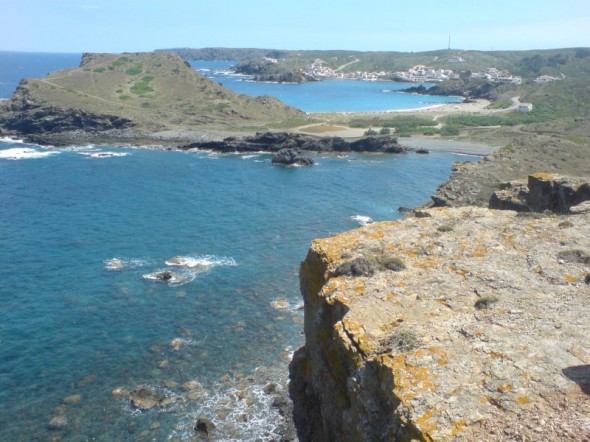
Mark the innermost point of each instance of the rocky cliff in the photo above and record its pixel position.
(455, 324)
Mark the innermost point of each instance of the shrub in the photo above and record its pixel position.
(99, 70)
(486, 301)
(565, 224)
(389, 262)
(135, 70)
(356, 267)
(444, 228)
(370, 132)
(449, 130)
(587, 278)
(384, 131)
(575, 256)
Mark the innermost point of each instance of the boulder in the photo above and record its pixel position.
(204, 426)
(291, 157)
(543, 192)
(511, 196)
(556, 193)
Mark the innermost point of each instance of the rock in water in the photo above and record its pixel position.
(145, 399)
(291, 157)
(204, 426)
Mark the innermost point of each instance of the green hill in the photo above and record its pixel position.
(148, 94)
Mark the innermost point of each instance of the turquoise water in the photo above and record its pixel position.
(328, 95)
(82, 230)
(74, 323)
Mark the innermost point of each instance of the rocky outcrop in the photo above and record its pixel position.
(544, 191)
(481, 335)
(276, 141)
(290, 157)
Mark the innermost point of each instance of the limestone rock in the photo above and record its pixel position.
(543, 192)
(407, 355)
(556, 193)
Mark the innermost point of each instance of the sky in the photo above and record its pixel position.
(379, 25)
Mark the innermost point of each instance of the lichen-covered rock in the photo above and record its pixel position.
(556, 193)
(408, 355)
(544, 191)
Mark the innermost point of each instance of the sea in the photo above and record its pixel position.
(84, 319)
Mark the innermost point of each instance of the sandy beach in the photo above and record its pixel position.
(431, 143)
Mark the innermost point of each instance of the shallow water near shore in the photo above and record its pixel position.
(81, 228)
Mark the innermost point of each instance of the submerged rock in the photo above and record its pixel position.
(58, 422)
(145, 398)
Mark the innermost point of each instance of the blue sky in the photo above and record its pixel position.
(381, 25)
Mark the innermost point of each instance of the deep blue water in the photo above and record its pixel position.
(16, 65)
(73, 323)
(325, 96)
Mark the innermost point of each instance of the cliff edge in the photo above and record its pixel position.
(459, 324)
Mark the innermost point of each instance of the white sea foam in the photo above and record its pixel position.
(362, 219)
(24, 153)
(11, 140)
(115, 264)
(173, 279)
(283, 304)
(104, 154)
(201, 261)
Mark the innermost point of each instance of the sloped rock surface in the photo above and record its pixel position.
(409, 355)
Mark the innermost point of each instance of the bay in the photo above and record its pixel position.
(82, 322)
(327, 95)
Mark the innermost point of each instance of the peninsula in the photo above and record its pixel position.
(138, 98)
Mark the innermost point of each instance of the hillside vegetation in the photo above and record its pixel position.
(572, 62)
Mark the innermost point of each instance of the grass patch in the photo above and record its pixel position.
(565, 224)
(444, 228)
(135, 70)
(508, 149)
(400, 340)
(120, 61)
(292, 122)
(176, 71)
(388, 262)
(486, 302)
(401, 123)
(502, 103)
(124, 97)
(143, 86)
(99, 70)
